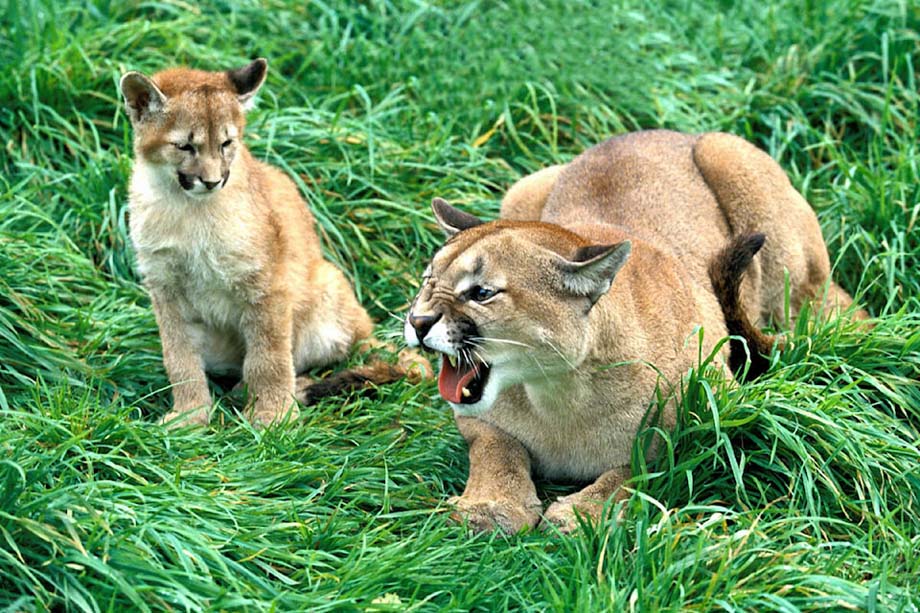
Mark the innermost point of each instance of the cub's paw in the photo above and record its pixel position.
(416, 366)
(486, 515)
(198, 416)
(264, 415)
(562, 513)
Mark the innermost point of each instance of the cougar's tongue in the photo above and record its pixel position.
(452, 380)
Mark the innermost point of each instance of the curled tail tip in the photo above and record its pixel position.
(741, 251)
(751, 244)
(727, 268)
(755, 240)
(726, 271)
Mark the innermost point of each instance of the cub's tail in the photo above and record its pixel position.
(411, 366)
(726, 271)
(310, 391)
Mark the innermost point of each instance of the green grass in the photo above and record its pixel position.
(798, 491)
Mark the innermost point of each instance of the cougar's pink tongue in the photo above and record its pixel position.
(452, 380)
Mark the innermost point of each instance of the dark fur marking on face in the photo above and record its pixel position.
(186, 181)
(462, 329)
(478, 266)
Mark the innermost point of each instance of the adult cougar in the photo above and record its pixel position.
(558, 322)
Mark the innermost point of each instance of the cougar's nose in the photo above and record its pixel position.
(423, 324)
(211, 184)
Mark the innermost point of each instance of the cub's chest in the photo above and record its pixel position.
(211, 259)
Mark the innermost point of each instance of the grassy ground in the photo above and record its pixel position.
(798, 491)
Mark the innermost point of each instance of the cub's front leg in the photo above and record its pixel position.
(268, 367)
(499, 493)
(588, 502)
(184, 365)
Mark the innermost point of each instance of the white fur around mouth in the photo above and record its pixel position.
(473, 409)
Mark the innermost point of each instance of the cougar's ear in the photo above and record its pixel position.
(247, 81)
(591, 270)
(452, 220)
(143, 99)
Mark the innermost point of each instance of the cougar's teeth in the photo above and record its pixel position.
(465, 392)
(453, 360)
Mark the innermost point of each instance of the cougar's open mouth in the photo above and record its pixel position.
(462, 381)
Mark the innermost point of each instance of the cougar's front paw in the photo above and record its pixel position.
(416, 366)
(485, 515)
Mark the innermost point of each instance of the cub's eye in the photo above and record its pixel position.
(478, 293)
(185, 147)
(226, 143)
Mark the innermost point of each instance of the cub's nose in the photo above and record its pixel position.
(422, 324)
(210, 184)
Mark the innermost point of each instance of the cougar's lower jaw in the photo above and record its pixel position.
(463, 380)
(486, 400)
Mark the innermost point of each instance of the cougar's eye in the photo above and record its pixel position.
(226, 144)
(185, 147)
(478, 293)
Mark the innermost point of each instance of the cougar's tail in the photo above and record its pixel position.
(726, 271)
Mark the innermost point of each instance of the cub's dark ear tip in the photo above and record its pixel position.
(258, 66)
(247, 79)
(130, 78)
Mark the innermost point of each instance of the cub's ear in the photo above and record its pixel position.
(142, 97)
(247, 81)
(452, 220)
(591, 270)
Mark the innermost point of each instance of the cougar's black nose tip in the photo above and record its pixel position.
(423, 324)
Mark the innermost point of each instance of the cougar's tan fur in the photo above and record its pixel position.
(578, 340)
